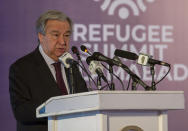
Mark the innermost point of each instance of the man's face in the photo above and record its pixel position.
(56, 40)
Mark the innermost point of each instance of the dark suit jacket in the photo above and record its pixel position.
(31, 84)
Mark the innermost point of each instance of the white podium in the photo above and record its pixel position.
(111, 110)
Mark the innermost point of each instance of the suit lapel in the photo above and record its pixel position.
(45, 73)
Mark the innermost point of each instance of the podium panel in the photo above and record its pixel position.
(111, 110)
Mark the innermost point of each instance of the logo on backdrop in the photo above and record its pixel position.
(124, 7)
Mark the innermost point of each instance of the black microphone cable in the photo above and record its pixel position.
(169, 68)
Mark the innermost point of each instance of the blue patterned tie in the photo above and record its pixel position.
(59, 78)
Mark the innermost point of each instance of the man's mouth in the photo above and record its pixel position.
(61, 50)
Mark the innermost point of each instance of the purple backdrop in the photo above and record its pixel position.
(155, 27)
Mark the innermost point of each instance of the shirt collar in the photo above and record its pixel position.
(48, 60)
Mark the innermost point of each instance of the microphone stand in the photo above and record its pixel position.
(71, 80)
(152, 71)
(135, 78)
(99, 85)
(112, 85)
(134, 83)
(84, 69)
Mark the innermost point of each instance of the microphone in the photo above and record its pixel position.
(142, 59)
(84, 49)
(95, 67)
(100, 57)
(126, 54)
(75, 51)
(67, 60)
(100, 74)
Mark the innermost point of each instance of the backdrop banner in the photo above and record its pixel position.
(155, 27)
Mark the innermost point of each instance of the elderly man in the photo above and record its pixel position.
(38, 76)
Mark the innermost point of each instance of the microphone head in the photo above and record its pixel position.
(70, 61)
(75, 50)
(84, 49)
(95, 56)
(65, 59)
(95, 66)
(126, 54)
(89, 59)
(100, 57)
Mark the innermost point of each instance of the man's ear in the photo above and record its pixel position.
(41, 37)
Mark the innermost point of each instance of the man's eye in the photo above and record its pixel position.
(55, 35)
(67, 35)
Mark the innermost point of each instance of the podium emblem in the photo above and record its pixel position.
(132, 128)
